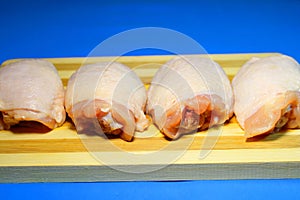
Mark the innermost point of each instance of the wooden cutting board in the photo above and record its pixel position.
(62, 155)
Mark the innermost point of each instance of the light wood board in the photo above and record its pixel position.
(61, 155)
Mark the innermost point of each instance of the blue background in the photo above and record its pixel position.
(74, 28)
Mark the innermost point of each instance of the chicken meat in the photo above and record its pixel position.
(267, 95)
(31, 92)
(107, 97)
(189, 93)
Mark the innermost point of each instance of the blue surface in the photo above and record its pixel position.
(74, 28)
(254, 189)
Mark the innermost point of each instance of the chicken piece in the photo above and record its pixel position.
(189, 93)
(31, 92)
(108, 94)
(267, 95)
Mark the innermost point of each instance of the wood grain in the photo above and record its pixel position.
(63, 155)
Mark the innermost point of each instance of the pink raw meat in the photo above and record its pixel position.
(189, 93)
(31, 91)
(267, 95)
(107, 95)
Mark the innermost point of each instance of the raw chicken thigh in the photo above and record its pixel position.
(189, 93)
(267, 95)
(109, 95)
(31, 91)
